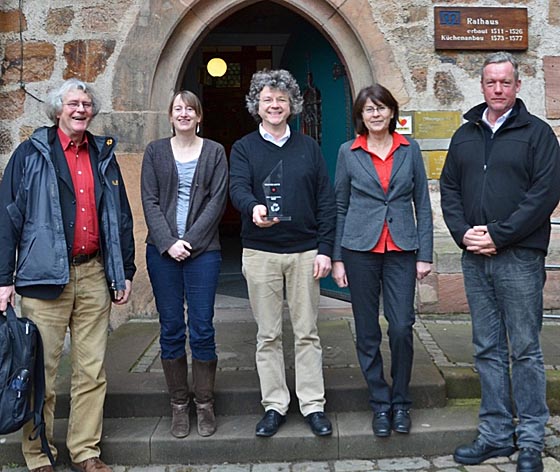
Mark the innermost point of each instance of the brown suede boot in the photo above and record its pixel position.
(176, 372)
(204, 374)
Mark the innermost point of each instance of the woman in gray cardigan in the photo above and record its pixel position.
(184, 193)
(383, 242)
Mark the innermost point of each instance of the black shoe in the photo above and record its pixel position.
(320, 424)
(529, 460)
(381, 424)
(401, 421)
(479, 451)
(271, 421)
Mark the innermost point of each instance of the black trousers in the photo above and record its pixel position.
(394, 273)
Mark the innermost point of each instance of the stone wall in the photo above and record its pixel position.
(123, 47)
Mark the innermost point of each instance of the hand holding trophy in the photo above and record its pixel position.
(272, 187)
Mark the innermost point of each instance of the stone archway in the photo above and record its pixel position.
(165, 32)
(149, 67)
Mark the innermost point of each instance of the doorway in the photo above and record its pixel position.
(265, 35)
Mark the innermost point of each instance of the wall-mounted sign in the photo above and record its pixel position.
(486, 28)
(404, 124)
(434, 161)
(436, 124)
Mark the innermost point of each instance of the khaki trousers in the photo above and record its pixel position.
(265, 273)
(84, 307)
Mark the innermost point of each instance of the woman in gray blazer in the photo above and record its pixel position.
(384, 240)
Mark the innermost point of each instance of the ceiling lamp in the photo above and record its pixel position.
(216, 67)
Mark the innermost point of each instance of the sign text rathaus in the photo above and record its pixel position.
(481, 28)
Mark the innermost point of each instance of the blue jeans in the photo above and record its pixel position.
(505, 297)
(395, 273)
(195, 280)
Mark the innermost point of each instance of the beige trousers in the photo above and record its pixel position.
(84, 307)
(265, 273)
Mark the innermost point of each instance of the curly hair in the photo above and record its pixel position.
(53, 103)
(275, 79)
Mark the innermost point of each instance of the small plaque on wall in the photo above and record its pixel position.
(483, 28)
(404, 124)
(436, 124)
(434, 161)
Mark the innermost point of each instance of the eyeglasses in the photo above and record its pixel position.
(371, 110)
(270, 100)
(76, 105)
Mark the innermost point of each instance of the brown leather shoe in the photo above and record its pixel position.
(43, 468)
(93, 464)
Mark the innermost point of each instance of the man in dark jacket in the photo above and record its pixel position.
(499, 186)
(275, 249)
(67, 247)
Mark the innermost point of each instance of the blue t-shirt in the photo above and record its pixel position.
(185, 171)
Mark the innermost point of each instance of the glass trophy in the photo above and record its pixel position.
(272, 187)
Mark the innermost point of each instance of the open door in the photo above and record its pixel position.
(267, 35)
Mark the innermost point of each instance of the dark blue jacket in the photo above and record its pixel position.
(37, 214)
(509, 180)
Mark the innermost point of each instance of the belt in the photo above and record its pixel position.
(83, 258)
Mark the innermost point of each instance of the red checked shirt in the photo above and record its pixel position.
(383, 168)
(86, 229)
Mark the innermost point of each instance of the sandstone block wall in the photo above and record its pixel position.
(120, 46)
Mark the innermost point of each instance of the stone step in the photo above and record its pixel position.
(146, 441)
(136, 384)
(238, 393)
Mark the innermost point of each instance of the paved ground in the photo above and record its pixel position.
(447, 347)
(420, 464)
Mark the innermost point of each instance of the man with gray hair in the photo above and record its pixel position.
(499, 186)
(67, 248)
(291, 239)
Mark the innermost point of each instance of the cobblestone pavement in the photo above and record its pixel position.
(551, 460)
(402, 464)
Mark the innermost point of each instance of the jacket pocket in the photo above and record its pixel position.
(37, 259)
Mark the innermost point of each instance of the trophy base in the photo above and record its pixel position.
(280, 218)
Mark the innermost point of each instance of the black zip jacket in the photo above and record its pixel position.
(509, 181)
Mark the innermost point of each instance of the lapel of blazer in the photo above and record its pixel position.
(398, 159)
(364, 159)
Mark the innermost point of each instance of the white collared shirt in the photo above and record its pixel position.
(268, 137)
(499, 122)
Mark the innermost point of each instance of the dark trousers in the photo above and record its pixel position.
(395, 273)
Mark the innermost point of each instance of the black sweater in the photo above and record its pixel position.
(307, 194)
(509, 181)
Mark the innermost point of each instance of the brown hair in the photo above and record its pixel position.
(379, 95)
(189, 98)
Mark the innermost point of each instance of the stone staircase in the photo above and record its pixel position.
(137, 422)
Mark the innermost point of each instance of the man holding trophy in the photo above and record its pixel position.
(280, 185)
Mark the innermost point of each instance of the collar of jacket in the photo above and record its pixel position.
(519, 115)
(102, 145)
